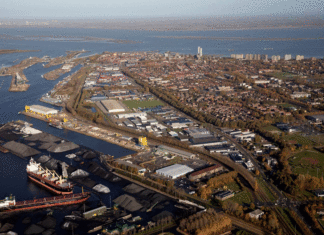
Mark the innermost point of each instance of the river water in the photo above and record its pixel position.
(13, 178)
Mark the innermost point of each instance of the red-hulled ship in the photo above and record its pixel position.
(9, 204)
(48, 179)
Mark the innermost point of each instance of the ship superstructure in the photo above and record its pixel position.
(48, 179)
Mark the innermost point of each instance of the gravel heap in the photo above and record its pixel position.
(128, 202)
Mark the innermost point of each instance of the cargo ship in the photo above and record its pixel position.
(48, 179)
(9, 204)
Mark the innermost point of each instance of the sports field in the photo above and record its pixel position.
(142, 104)
(308, 161)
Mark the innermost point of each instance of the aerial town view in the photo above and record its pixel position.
(169, 118)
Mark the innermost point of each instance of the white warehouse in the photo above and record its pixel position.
(42, 110)
(174, 171)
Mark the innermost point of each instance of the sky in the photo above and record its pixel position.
(108, 9)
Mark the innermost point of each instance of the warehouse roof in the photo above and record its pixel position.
(206, 170)
(175, 170)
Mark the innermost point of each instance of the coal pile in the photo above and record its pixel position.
(89, 155)
(96, 169)
(48, 222)
(77, 159)
(133, 188)
(46, 145)
(26, 220)
(81, 152)
(43, 137)
(71, 169)
(86, 181)
(162, 215)
(8, 135)
(34, 229)
(128, 202)
(20, 150)
(49, 232)
(52, 164)
(6, 227)
(62, 147)
(43, 159)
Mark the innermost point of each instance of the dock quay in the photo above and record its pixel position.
(85, 131)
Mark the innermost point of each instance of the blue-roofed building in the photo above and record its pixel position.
(98, 98)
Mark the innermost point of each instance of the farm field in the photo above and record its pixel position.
(142, 104)
(308, 161)
(298, 139)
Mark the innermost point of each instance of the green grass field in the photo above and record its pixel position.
(243, 197)
(285, 105)
(317, 138)
(298, 139)
(142, 104)
(283, 75)
(308, 161)
(271, 128)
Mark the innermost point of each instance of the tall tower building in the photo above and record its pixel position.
(200, 52)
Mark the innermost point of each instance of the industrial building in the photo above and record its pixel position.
(42, 110)
(174, 171)
(316, 118)
(166, 150)
(223, 195)
(205, 172)
(112, 106)
(257, 214)
(132, 115)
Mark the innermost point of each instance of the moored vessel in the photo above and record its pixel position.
(9, 204)
(48, 179)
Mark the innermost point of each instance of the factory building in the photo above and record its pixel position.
(223, 195)
(174, 171)
(42, 110)
(112, 106)
(132, 115)
(205, 172)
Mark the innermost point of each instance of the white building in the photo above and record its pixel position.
(42, 110)
(130, 115)
(112, 106)
(275, 58)
(299, 57)
(257, 214)
(30, 131)
(200, 52)
(248, 165)
(287, 57)
(174, 171)
(299, 95)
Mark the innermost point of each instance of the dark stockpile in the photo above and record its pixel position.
(62, 147)
(34, 229)
(81, 152)
(96, 169)
(8, 135)
(46, 145)
(68, 225)
(6, 227)
(86, 181)
(52, 164)
(48, 232)
(162, 215)
(89, 155)
(43, 159)
(48, 222)
(133, 188)
(43, 137)
(128, 202)
(77, 159)
(21, 150)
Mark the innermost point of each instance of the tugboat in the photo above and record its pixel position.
(48, 179)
